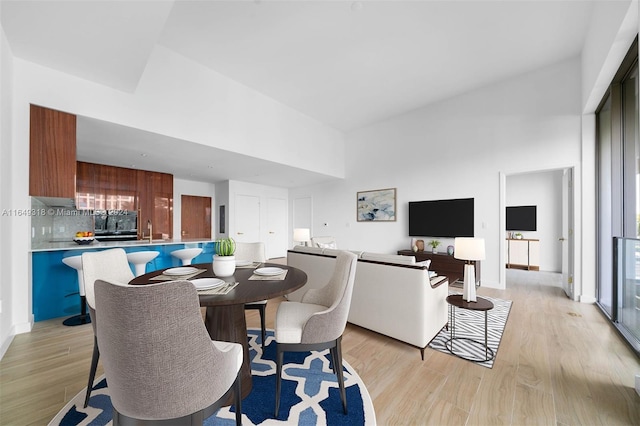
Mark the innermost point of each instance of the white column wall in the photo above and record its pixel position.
(8, 325)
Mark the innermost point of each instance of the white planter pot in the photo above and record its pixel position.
(224, 266)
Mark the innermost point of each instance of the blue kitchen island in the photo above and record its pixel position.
(55, 285)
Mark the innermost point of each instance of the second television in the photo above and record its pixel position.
(441, 218)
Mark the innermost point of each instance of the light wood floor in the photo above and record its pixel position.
(559, 362)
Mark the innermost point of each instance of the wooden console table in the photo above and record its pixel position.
(523, 254)
(444, 264)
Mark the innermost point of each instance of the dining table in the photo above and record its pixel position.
(225, 316)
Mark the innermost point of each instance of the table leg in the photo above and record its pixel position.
(228, 323)
(486, 347)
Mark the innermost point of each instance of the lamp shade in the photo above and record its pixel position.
(301, 234)
(468, 248)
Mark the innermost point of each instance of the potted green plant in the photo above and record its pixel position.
(518, 236)
(224, 261)
(434, 245)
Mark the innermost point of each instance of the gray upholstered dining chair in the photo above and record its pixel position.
(160, 364)
(254, 252)
(317, 322)
(110, 265)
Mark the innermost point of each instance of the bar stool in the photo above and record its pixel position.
(75, 262)
(139, 260)
(186, 255)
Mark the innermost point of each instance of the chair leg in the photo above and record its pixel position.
(92, 371)
(238, 400)
(262, 324)
(279, 360)
(339, 373)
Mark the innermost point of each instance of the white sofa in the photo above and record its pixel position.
(392, 295)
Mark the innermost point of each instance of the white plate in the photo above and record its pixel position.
(184, 270)
(269, 271)
(243, 262)
(207, 283)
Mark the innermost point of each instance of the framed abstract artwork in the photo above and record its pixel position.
(377, 206)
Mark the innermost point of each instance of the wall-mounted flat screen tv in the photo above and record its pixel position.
(521, 218)
(441, 218)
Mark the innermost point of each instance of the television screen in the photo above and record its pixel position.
(521, 218)
(441, 218)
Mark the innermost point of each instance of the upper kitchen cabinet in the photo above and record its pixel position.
(52, 153)
(102, 187)
(155, 203)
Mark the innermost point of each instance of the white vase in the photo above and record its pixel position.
(224, 266)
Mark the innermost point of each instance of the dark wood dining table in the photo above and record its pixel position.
(225, 318)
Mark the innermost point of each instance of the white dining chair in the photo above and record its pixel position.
(317, 322)
(109, 265)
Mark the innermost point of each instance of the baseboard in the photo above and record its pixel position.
(7, 342)
(587, 299)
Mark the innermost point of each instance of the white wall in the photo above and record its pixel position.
(6, 127)
(455, 149)
(188, 187)
(544, 190)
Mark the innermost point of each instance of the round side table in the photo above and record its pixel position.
(456, 301)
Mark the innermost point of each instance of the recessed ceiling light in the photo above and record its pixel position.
(143, 155)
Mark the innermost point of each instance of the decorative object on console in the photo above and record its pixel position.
(224, 262)
(302, 235)
(420, 245)
(434, 245)
(469, 249)
(378, 205)
(450, 250)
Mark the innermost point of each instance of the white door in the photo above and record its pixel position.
(566, 239)
(276, 241)
(247, 219)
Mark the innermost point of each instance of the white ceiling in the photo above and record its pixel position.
(344, 63)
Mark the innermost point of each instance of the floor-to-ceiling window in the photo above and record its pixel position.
(618, 180)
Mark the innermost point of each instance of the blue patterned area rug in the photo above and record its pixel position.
(310, 394)
(470, 325)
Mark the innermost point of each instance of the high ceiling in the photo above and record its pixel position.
(344, 63)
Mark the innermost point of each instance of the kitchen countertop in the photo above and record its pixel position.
(71, 245)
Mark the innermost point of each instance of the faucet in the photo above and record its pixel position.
(150, 229)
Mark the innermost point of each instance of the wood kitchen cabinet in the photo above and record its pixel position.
(52, 153)
(155, 203)
(102, 187)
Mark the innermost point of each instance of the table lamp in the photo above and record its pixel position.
(301, 235)
(469, 249)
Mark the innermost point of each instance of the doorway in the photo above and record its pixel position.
(552, 193)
